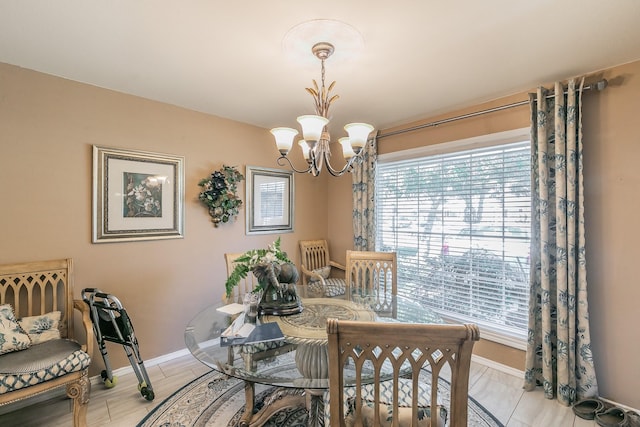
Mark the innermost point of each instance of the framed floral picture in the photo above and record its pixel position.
(137, 195)
(269, 200)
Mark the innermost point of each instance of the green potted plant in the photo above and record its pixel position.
(276, 275)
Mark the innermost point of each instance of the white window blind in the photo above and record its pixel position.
(460, 224)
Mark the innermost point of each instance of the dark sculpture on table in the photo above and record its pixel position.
(279, 294)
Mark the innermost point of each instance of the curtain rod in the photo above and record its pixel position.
(599, 86)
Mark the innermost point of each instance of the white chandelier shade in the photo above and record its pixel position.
(312, 126)
(358, 135)
(347, 149)
(306, 151)
(284, 139)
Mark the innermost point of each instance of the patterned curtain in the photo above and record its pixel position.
(363, 181)
(559, 354)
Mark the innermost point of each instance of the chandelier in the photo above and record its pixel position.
(316, 138)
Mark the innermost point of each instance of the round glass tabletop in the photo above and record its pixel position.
(300, 360)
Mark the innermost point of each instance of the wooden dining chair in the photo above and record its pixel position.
(396, 367)
(245, 286)
(320, 275)
(251, 353)
(373, 275)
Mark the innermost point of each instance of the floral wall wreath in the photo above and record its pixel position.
(219, 194)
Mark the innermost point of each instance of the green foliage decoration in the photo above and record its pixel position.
(219, 194)
(252, 259)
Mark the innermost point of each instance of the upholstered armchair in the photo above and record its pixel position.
(321, 277)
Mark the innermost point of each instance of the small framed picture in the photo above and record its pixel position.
(137, 195)
(269, 200)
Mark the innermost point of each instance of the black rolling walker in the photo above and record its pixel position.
(111, 323)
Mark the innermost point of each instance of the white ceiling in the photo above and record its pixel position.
(420, 57)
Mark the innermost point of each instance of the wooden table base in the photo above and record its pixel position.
(282, 398)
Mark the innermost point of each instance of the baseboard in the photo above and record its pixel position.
(97, 379)
(619, 405)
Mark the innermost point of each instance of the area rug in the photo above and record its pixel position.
(214, 400)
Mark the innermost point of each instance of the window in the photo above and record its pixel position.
(460, 224)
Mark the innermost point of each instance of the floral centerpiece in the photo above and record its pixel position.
(255, 259)
(219, 194)
(276, 275)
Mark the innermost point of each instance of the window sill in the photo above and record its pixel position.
(501, 338)
(490, 333)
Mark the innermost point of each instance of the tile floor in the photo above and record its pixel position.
(123, 406)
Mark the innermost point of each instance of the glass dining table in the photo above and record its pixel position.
(299, 372)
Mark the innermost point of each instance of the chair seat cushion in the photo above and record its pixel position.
(333, 287)
(386, 404)
(405, 415)
(322, 271)
(40, 363)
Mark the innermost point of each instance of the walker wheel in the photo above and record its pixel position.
(110, 383)
(147, 393)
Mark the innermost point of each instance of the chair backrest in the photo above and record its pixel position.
(406, 354)
(314, 254)
(245, 285)
(371, 273)
(37, 288)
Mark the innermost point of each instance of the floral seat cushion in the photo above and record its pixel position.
(40, 363)
(323, 272)
(386, 403)
(332, 287)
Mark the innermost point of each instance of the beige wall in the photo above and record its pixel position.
(612, 180)
(47, 128)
